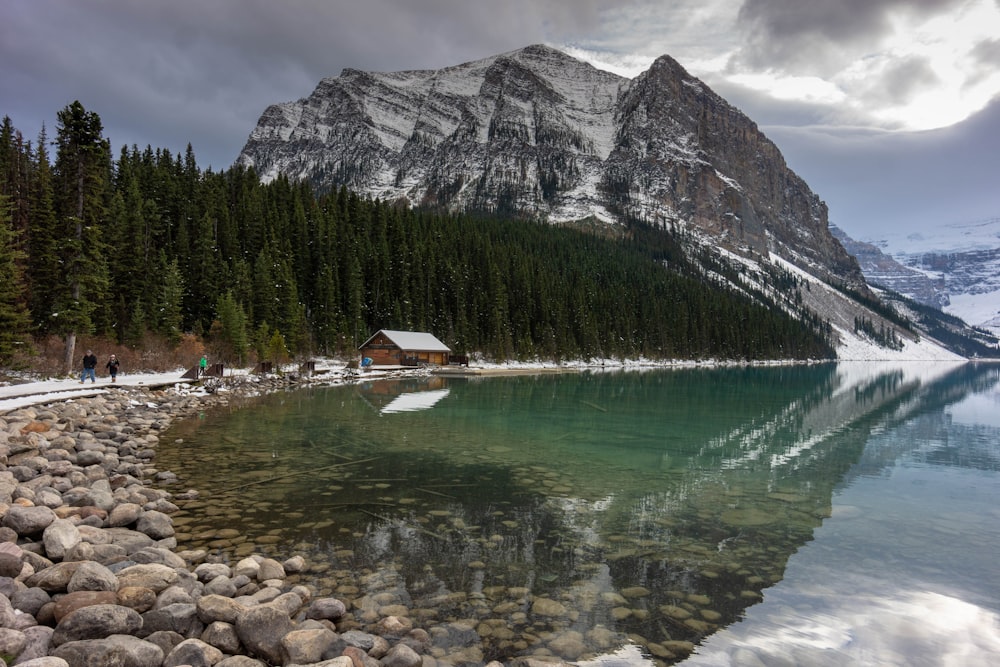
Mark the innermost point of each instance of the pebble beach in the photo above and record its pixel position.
(90, 569)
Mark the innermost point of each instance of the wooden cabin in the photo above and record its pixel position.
(404, 348)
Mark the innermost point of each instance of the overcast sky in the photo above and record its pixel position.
(889, 109)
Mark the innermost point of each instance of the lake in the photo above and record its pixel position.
(824, 514)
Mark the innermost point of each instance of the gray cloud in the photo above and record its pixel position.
(901, 82)
(986, 56)
(815, 35)
(170, 73)
(875, 180)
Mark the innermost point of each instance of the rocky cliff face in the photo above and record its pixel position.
(537, 133)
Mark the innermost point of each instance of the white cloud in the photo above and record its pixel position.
(810, 89)
(628, 65)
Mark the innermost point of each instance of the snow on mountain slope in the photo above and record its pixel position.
(955, 267)
(851, 346)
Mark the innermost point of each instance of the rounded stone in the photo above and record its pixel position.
(70, 602)
(97, 621)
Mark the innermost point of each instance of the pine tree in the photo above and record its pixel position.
(168, 304)
(44, 275)
(131, 273)
(82, 172)
(202, 271)
(230, 331)
(15, 175)
(13, 314)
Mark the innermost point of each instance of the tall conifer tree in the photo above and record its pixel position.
(44, 274)
(13, 315)
(82, 174)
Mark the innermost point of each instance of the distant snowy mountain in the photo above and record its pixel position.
(955, 267)
(536, 133)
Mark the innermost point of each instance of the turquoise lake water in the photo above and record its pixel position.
(825, 514)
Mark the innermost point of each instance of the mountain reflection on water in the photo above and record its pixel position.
(555, 515)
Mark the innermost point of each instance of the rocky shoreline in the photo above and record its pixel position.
(91, 573)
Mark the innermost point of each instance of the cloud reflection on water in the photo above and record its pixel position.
(875, 628)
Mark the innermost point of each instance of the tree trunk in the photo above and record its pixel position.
(71, 335)
(70, 350)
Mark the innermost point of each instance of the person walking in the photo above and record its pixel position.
(202, 365)
(89, 364)
(112, 366)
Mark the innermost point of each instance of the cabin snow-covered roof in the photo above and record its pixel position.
(412, 340)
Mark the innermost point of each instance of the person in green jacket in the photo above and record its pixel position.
(202, 365)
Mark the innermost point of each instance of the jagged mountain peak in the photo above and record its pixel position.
(535, 132)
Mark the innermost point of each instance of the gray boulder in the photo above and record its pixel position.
(194, 653)
(222, 636)
(117, 650)
(124, 514)
(30, 600)
(47, 661)
(173, 595)
(153, 576)
(58, 537)
(165, 639)
(64, 605)
(155, 524)
(10, 563)
(56, 578)
(223, 586)
(38, 642)
(401, 655)
(270, 569)
(308, 646)
(148, 555)
(12, 641)
(261, 629)
(92, 576)
(240, 661)
(213, 608)
(326, 608)
(208, 571)
(28, 520)
(96, 622)
(130, 540)
(180, 618)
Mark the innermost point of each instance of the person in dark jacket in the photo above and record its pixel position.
(112, 366)
(89, 364)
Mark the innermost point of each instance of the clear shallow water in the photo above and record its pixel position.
(806, 515)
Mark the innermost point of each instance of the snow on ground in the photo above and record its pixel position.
(15, 396)
(46, 390)
(854, 348)
(979, 308)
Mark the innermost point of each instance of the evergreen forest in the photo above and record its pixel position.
(122, 246)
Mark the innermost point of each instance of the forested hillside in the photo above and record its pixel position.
(148, 242)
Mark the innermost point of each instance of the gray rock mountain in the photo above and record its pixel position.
(537, 133)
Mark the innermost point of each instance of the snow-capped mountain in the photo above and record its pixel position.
(955, 267)
(537, 133)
